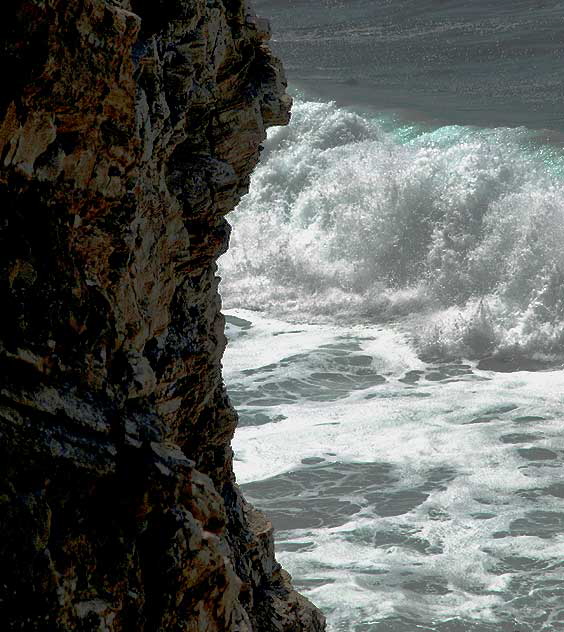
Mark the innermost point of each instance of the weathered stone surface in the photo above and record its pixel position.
(128, 129)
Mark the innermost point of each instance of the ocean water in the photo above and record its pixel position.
(394, 296)
(478, 62)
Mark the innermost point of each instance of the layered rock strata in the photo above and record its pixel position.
(128, 129)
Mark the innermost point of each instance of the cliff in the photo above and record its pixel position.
(128, 129)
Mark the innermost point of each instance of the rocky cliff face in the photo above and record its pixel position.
(128, 129)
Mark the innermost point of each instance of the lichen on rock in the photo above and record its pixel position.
(128, 130)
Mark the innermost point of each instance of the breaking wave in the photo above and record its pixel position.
(455, 231)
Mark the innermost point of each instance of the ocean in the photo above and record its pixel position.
(394, 296)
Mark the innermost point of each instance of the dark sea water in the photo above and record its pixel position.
(472, 62)
(394, 294)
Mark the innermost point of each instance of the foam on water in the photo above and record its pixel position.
(394, 266)
(406, 495)
(355, 217)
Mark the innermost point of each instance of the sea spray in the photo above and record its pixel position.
(351, 218)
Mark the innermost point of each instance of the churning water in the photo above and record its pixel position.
(395, 303)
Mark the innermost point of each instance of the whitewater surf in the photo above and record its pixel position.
(395, 311)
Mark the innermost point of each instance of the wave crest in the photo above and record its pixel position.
(349, 219)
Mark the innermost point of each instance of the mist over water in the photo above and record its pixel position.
(394, 295)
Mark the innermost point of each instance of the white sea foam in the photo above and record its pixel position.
(431, 496)
(349, 218)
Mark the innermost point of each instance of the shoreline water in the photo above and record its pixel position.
(405, 495)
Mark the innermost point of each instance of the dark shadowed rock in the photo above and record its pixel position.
(128, 129)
